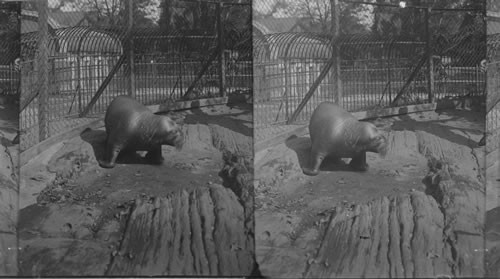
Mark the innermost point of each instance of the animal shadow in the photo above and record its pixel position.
(4, 141)
(97, 139)
(302, 148)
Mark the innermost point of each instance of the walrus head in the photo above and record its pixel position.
(377, 142)
(380, 145)
(174, 134)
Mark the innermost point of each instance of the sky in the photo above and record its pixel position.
(151, 10)
(265, 6)
(53, 3)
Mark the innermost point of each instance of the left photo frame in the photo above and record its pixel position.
(9, 136)
(136, 139)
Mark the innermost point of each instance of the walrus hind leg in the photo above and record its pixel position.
(315, 163)
(127, 154)
(109, 161)
(154, 156)
(358, 162)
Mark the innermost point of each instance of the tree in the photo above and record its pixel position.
(409, 24)
(353, 18)
(183, 16)
(9, 32)
(493, 6)
(237, 22)
(399, 23)
(269, 8)
(457, 34)
(108, 13)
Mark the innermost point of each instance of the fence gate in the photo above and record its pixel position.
(88, 66)
(408, 56)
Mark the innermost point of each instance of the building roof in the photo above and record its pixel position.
(33, 15)
(276, 25)
(56, 20)
(79, 39)
(493, 23)
(291, 45)
(272, 25)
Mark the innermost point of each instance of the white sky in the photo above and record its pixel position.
(53, 3)
(152, 10)
(262, 5)
(265, 6)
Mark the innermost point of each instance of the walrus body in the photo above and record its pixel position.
(132, 126)
(338, 134)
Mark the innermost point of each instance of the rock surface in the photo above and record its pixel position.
(189, 216)
(8, 190)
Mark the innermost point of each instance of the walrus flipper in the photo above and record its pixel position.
(358, 162)
(154, 155)
(112, 151)
(314, 162)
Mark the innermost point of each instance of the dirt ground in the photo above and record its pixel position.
(8, 188)
(68, 201)
(492, 232)
(294, 210)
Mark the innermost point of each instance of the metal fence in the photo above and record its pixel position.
(167, 66)
(374, 68)
(493, 89)
(9, 79)
(9, 48)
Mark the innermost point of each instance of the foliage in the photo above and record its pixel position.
(186, 16)
(493, 5)
(9, 32)
(404, 24)
(353, 18)
(457, 34)
(460, 35)
(108, 13)
(237, 22)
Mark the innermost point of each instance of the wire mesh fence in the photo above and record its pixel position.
(168, 56)
(459, 43)
(388, 56)
(9, 79)
(493, 87)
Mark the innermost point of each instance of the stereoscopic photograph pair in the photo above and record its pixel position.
(250, 138)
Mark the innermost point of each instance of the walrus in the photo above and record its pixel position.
(337, 134)
(132, 126)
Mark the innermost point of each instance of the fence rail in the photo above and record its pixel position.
(88, 64)
(281, 84)
(73, 82)
(9, 79)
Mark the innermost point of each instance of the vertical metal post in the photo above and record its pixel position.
(181, 74)
(78, 82)
(130, 48)
(11, 78)
(389, 73)
(43, 74)
(430, 62)
(477, 78)
(222, 62)
(336, 52)
(287, 87)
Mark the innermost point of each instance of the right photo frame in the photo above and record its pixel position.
(492, 222)
(370, 139)
(257, 138)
